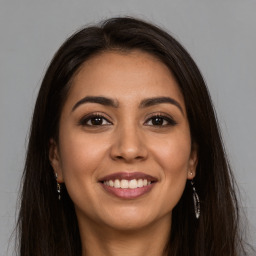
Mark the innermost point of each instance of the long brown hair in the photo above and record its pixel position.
(49, 227)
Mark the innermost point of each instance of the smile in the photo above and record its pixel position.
(131, 184)
(128, 185)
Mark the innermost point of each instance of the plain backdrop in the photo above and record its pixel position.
(220, 35)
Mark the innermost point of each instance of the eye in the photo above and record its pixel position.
(160, 120)
(94, 120)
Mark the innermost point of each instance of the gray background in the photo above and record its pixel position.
(220, 35)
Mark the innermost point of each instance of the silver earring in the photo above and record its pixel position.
(58, 187)
(196, 201)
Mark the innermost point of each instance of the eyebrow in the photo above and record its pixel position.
(113, 103)
(160, 100)
(96, 99)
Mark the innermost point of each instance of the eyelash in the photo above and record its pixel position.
(170, 121)
(84, 121)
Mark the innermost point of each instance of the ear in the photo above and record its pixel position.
(54, 158)
(192, 163)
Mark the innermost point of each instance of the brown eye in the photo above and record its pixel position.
(159, 120)
(95, 120)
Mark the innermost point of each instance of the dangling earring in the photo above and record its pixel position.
(196, 201)
(58, 187)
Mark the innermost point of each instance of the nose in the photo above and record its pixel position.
(129, 145)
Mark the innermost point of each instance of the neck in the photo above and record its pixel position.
(104, 241)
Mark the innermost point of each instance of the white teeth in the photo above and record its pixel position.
(131, 184)
(117, 184)
(111, 183)
(124, 184)
(140, 183)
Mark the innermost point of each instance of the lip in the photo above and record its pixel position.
(127, 193)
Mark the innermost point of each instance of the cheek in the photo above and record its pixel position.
(174, 163)
(174, 154)
(173, 157)
(80, 157)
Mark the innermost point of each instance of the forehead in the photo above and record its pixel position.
(125, 76)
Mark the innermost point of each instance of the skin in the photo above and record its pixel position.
(127, 141)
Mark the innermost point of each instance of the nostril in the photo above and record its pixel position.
(119, 157)
(128, 151)
(139, 157)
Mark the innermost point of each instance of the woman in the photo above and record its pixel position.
(125, 155)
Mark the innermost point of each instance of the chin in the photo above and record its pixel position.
(128, 224)
(130, 218)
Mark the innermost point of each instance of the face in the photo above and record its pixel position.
(124, 150)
